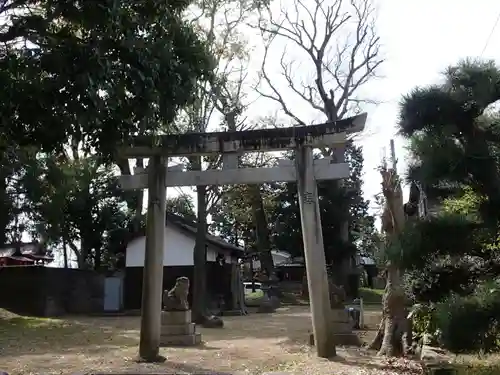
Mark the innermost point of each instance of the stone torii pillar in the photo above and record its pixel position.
(152, 284)
(314, 251)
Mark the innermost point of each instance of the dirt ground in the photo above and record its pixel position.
(246, 345)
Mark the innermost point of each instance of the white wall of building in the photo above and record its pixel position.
(177, 249)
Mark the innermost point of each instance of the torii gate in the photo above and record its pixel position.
(304, 170)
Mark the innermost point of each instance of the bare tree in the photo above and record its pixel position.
(329, 51)
(339, 41)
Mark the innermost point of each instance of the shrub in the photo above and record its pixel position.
(436, 281)
(479, 369)
(471, 323)
(424, 321)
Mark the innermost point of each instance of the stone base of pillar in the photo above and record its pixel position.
(342, 329)
(342, 325)
(237, 312)
(178, 330)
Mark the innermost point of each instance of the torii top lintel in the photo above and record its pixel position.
(322, 135)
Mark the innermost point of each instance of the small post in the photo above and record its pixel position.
(393, 155)
(317, 279)
(361, 313)
(152, 284)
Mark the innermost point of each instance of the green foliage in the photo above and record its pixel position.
(233, 217)
(76, 202)
(10, 167)
(78, 78)
(454, 156)
(95, 71)
(471, 323)
(424, 239)
(424, 321)
(454, 141)
(287, 233)
(440, 276)
(182, 205)
(479, 369)
(371, 295)
(467, 204)
(479, 365)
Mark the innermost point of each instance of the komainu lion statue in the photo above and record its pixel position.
(175, 299)
(337, 295)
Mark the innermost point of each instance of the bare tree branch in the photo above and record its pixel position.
(276, 96)
(342, 57)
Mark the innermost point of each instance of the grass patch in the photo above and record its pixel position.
(479, 370)
(255, 295)
(20, 334)
(13, 325)
(42, 332)
(479, 365)
(371, 295)
(254, 299)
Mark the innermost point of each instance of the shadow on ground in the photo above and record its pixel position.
(290, 326)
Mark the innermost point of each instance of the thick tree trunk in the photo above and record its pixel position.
(345, 264)
(5, 211)
(65, 251)
(304, 287)
(262, 231)
(259, 215)
(394, 333)
(97, 257)
(200, 255)
(80, 255)
(134, 198)
(139, 163)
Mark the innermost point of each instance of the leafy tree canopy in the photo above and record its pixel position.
(454, 134)
(452, 128)
(94, 72)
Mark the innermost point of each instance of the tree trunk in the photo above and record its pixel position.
(304, 287)
(261, 229)
(200, 255)
(81, 262)
(5, 211)
(139, 163)
(97, 257)
(65, 251)
(134, 198)
(394, 332)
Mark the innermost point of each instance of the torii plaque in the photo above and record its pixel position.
(304, 170)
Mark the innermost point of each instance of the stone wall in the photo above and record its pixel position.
(45, 291)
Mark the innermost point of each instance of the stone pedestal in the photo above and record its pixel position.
(342, 328)
(178, 330)
(237, 312)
